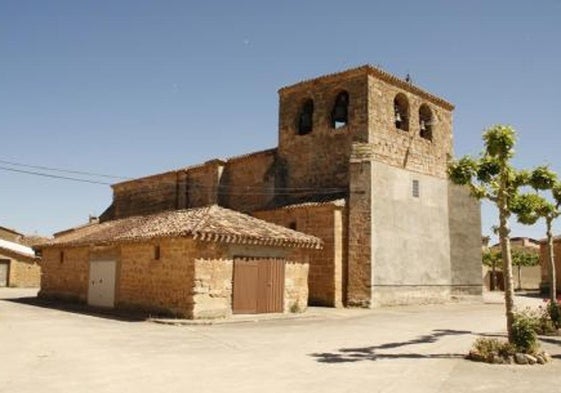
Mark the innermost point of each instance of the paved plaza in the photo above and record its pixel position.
(398, 349)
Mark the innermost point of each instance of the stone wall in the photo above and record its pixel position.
(248, 182)
(327, 269)
(544, 263)
(407, 149)
(9, 235)
(295, 287)
(360, 236)
(212, 288)
(203, 183)
(65, 273)
(22, 272)
(319, 160)
(190, 279)
(147, 195)
(161, 285)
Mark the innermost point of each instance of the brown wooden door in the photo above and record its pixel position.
(258, 285)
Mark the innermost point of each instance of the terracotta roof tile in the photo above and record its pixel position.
(211, 223)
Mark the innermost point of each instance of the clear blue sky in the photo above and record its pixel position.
(137, 87)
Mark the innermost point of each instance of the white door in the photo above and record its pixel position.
(101, 289)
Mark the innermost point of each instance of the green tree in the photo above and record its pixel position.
(493, 260)
(520, 258)
(531, 206)
(492, 177)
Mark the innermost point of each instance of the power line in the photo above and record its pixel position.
(64, 170)
(54, 176)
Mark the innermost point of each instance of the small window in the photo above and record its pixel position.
(157, 252)
(306, 118)
(401, 112)
(292, 225)
(61, 257)
(415, 188)
(340, 112)
(425, 122)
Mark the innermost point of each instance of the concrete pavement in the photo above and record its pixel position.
(398, 349)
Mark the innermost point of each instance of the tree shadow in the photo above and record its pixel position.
(349, 355)
(556, 340)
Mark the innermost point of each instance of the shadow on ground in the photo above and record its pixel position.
(77, 308)
(346, 355)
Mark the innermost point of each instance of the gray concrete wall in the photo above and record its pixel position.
(410, 242)
(465, 242)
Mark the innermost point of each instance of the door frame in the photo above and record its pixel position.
(90, 300)
(8, 263)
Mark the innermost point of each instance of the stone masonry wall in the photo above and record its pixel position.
(326, 265)
(24, 274)
(407, 149)
(248, 182)
(544, 263)
(65, 277)
(145, 196)
(212, 288)
(360, 248)
(161, 285)
(319, 160)
(203, 183)
(295, 287)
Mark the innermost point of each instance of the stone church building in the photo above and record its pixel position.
(360, 164)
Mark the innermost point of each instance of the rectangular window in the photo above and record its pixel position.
(157, 253)
(415, 188)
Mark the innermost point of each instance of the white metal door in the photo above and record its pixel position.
(101, 289)
(4, 268)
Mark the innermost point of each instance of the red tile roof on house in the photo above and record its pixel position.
(211, 223)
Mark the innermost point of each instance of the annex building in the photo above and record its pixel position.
(352, 208)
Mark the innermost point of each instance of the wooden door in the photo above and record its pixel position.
(4, 272)
(246, 276)
(101, 288)
(258, 285)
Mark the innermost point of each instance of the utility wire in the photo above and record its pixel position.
(64, 170)
(54, 176)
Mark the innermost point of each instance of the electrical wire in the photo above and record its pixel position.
(13, 163)
(54, 176)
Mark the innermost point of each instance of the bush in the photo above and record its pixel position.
(524, 335)
(486, 349)
(554, 311)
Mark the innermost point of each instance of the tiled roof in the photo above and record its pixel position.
(380, 74)
(340, 202)
(17, 248)
(211, 223)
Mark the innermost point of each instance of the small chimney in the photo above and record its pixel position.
(93, 219)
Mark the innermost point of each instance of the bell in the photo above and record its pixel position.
(340, 113)
(423, 125)
(397, 117)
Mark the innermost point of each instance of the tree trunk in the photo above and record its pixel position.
(504, 232)
(493, 277)
(551, 259)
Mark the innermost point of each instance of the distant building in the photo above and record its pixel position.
(360, 164)
(527, 277)
(18, 265)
